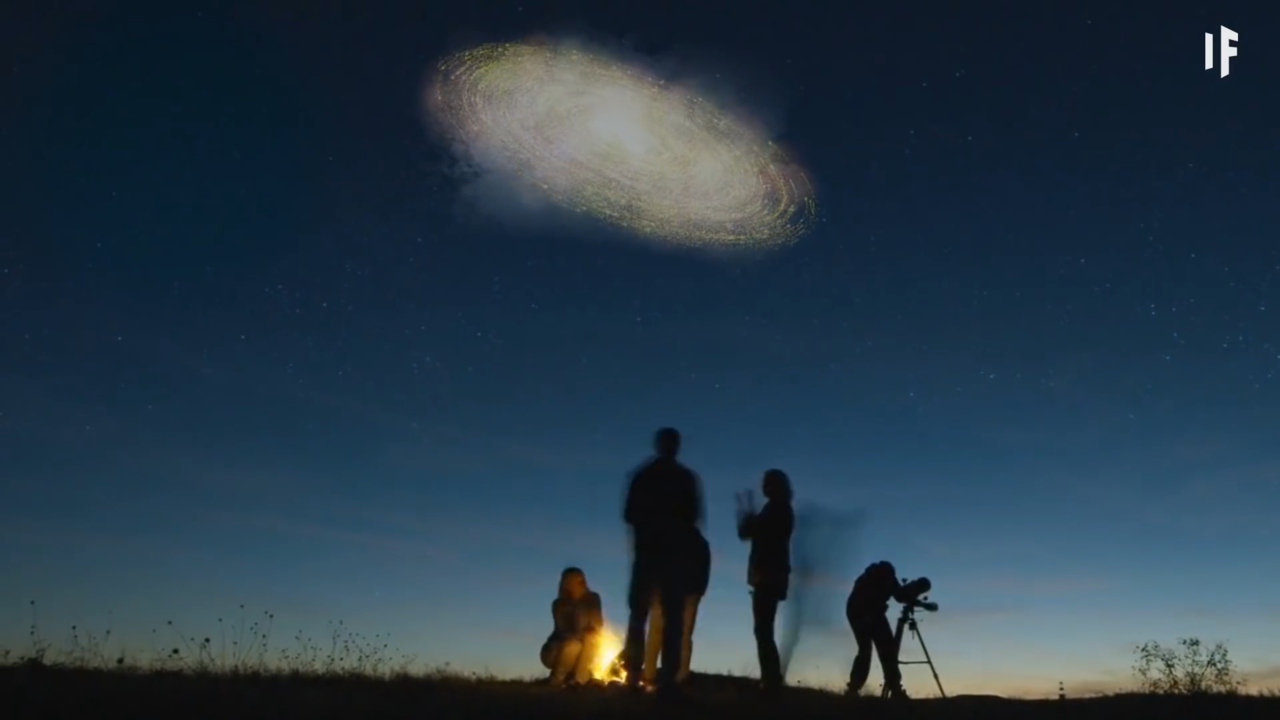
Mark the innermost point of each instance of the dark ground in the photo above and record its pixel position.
(48, 692)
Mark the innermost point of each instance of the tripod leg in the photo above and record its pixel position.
(897, 648)
(928, 659)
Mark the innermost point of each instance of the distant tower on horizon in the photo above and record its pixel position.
(1062, 691)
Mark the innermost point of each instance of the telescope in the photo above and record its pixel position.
(913, 595)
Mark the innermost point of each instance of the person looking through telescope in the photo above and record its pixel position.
(867, 611)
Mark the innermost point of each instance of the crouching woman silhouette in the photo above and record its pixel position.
(570, 652)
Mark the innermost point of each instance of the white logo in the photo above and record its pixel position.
(1226, 50)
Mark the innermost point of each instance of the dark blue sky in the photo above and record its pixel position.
(256, 350)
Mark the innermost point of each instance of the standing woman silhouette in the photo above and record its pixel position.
(769, 566)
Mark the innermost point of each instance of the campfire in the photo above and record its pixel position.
(608, 667)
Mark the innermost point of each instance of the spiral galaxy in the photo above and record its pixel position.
(608, 140)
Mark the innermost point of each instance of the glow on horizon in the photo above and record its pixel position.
(1014, 634)
(721, 648)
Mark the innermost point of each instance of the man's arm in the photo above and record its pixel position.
(699, 501)
(685, 496)
(630, 502)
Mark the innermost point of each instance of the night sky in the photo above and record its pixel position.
(257, 347)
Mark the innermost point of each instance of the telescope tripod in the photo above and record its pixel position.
(907, 620)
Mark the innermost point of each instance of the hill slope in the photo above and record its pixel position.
(47, 692)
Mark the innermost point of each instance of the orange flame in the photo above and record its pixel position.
(608, 649)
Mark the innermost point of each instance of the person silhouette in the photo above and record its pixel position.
(570, 651)
(663, 509)
(768, 566)
(867, 611)
(700, 567)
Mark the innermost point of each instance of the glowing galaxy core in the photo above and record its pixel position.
(605, 139)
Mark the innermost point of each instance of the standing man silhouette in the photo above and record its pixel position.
(663, 509)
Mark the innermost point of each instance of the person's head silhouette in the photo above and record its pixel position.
(573, 583)
(776, 486)
(666, 442)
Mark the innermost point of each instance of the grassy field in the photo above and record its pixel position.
(42, 691)
(238, 672)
